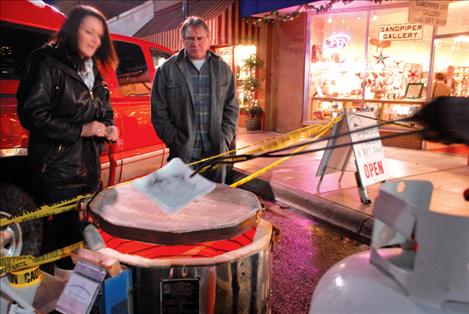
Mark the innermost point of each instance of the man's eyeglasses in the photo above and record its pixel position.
(195, 39)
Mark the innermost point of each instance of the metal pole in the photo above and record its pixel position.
(361, 188)
(185, 8)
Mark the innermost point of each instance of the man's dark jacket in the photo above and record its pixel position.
(53, 104)
(173, 112)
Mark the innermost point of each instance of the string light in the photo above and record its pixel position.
(285, 17)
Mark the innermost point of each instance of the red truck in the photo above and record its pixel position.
(25, 25)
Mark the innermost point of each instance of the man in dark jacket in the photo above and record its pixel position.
(194, 107)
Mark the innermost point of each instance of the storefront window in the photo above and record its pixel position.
(226, 53)
(451, 59)
(371, 60)
(337, 57)
(237, 54)
(398, 54)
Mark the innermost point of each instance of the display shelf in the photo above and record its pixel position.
(385, 109)
(461, 75)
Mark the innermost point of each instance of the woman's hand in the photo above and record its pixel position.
(94, 128)
(112, 133)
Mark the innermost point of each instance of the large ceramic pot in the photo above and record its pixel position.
(253, 124)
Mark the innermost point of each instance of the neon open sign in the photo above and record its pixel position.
(338, 41)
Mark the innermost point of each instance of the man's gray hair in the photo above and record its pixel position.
(193, 21)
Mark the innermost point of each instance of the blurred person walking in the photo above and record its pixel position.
(64, 103)
(450, 80)
(193, 101)
(440, 88)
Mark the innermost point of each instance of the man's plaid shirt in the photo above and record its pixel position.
(201, 88)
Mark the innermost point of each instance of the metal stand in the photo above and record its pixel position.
(349, 153)
(334, 156)
(361, 189)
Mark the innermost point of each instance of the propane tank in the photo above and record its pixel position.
(418, 260)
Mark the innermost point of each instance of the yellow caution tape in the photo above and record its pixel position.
(25, 277)
(276, 142)
(16, 263)
(282, 142)
(295, 136)
(266, 145)
(43, 211)
(19, 263)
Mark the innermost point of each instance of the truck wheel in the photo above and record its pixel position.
(18, 239)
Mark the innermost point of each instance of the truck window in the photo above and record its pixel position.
(16, 43)
(132, 73)
(158, 57)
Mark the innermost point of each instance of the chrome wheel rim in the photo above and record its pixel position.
(11, 238)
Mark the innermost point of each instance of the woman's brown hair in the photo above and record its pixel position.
(67, 36)
(439, 76)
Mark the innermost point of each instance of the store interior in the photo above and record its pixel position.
(357, 64)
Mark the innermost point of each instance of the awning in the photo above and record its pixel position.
(110, 8)
(248, 8)
(222, 17)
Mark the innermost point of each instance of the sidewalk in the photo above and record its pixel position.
(294, 183)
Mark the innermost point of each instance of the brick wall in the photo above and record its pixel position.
(287, 74)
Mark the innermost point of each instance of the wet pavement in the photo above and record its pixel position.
(307, 249)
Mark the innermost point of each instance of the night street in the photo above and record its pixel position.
(234, 156)
(307, 249)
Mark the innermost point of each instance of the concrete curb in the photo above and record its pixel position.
(318, 207)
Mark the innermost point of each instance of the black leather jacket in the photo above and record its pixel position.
(53, 104)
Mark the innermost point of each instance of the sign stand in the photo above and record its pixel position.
(369, 156)
(362, 189)
(345, 165)
(334, 160)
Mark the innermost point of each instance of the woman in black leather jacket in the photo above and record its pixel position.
(64, 103)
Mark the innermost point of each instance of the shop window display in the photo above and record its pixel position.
(451, 59)
(452, 49)
(337, 56)
(398, 63)
(237, 57)
(365, 61)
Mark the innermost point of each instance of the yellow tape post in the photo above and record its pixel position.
(284, 141)
(16, 263)
(25, 277)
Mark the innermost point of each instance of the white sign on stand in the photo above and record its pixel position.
(369, 156)
(370, 162)
(334, 160)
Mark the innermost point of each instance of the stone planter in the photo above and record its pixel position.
(253, 124)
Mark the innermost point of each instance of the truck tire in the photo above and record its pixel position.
(18, 239)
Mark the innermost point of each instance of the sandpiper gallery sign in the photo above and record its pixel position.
(405, 31)
(429, 12)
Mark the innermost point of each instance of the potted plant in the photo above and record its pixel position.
(249, 87)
